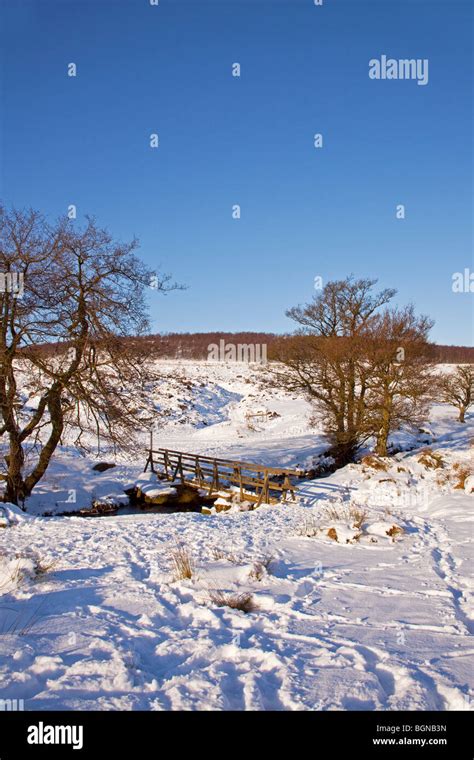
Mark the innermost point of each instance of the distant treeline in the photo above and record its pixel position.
(453, 354)
(196, 345)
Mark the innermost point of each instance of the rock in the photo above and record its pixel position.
(103, 466)
(469, 484)
(345, 534)
(99, 508)
(156, 493)
(222, 505)
(383, 528)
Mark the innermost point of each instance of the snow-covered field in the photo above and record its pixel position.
(376, 615)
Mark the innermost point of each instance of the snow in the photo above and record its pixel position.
(10, 514)
(93, 617)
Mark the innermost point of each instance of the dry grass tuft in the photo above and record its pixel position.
(461, 473)
(375, 462)
(11, 579)
(260, 568)
(430, 459)
(34, 569)
(217, 553)
(43, 567)
(334, 513)
(352, 515)
(358, 516)
(395, 530)
(308, 528)
(243, 601)
(183, 563)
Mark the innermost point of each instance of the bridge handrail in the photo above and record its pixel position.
(230, 462)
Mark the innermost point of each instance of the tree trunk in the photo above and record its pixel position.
(462, 412)
(15, 490)
(381, 448)
(344, 448)
(57, 423)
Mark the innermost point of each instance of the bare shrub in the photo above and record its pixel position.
(243, 601)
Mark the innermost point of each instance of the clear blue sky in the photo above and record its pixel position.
(305, 212)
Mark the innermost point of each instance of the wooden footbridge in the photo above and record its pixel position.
(254, 482)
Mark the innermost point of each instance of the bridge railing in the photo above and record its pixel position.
(266, 484)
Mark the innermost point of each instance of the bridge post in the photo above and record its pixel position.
(149, 460)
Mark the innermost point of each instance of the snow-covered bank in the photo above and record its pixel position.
(380, 626)
(92, 615)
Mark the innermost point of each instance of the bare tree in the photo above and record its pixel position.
(458, 389)
(366, 371)
(326, 360)
(62, 357)
(401, 378)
